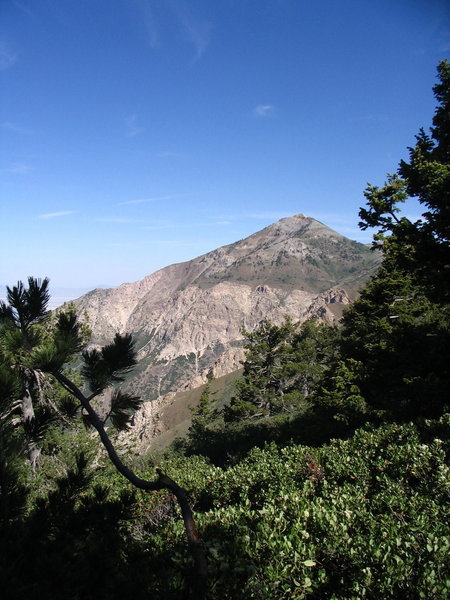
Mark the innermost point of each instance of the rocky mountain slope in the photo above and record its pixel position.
(187, 318)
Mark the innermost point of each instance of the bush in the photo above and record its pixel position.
(362, 518)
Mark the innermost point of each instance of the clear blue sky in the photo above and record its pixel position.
(138, 133)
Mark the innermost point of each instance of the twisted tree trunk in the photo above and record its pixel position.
(27, 417)
(162, 482)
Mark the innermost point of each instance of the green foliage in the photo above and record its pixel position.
(266, 349)
(62, 441)
(421, 249)
(122, 407)
(282, 368)
(395, 337)
(12, 491)
(73, 521)
(110, 364)
(36, 345)
(203, 416)
(342, 393)
(383, 205)
(26, 305)
(362, 518)
(401, 339)
(72, 544)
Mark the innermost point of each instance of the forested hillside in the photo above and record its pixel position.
(326, 475)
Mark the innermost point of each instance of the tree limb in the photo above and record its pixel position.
(163, 482)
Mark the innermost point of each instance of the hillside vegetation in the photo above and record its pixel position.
(325, 475)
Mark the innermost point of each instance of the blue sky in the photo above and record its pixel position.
(138, 133)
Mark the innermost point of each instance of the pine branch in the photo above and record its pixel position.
(163, 482)
(122, 408)
(108, 365)
(28, 305)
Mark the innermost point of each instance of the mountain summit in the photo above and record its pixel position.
(187, 318)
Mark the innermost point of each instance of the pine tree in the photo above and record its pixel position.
(395, 337)
(22, 327)
(282, 369)
(202, 416)
(32, 353)
(421, 248)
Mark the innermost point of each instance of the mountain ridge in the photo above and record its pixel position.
(187, 318)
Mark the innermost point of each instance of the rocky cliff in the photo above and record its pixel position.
(187, 318)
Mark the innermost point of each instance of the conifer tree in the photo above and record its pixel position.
(22, 327)
(202, 416)
(30, 353)
(395, 337)
(283, 366)
(420, 248)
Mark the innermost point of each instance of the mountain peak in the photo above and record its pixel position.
(296, 252)
(299, 225)
(187, 318)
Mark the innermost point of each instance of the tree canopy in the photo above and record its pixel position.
(397, 332)
(32, 356)
(420, 248)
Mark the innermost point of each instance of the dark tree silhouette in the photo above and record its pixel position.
(32, 351)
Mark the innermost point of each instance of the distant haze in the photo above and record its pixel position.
(58, 295)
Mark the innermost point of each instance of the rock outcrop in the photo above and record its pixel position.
(187, 318)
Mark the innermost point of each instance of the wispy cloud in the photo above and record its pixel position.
(7, 57)
(146, 200)
(274, 216)
(172, 225)
(15, 128)
(117, 220)
(23, 8)
(335, 218)
(197, 31)
(162, 225)
(162, 243)
(369, 118)
(172, 243)
(230, 219)
(18, 168)
(168, 154)
(54, 215)
(149, 21)
(132, 126)
(263, 110)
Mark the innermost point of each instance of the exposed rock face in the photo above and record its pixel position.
(187, 318)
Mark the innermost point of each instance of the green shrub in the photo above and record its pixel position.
(363, 518)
